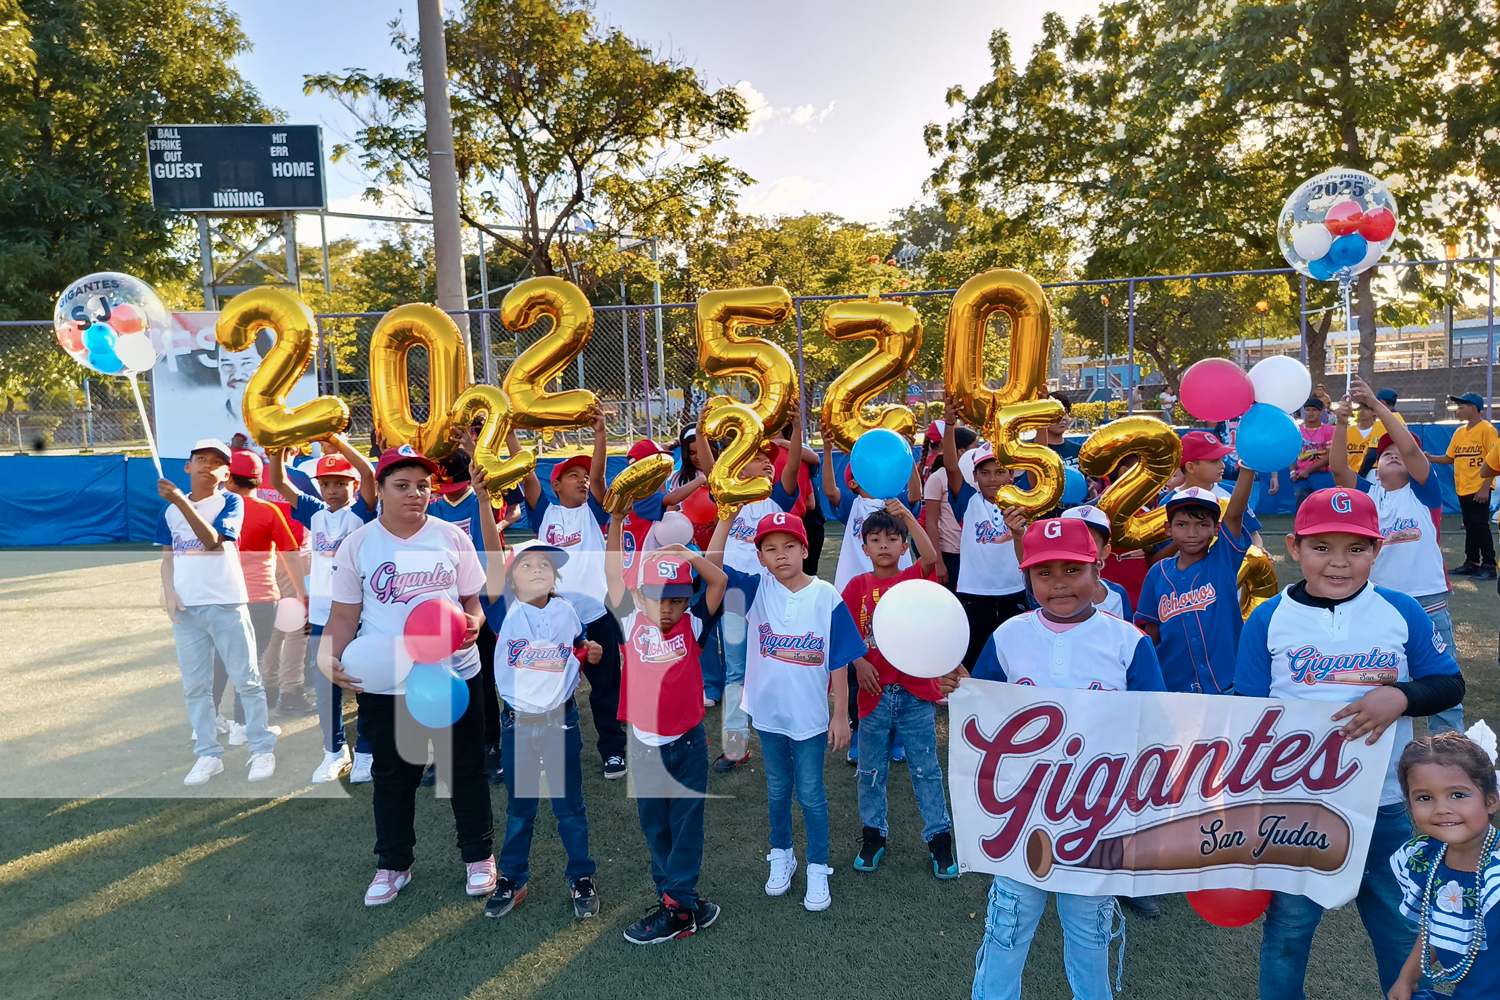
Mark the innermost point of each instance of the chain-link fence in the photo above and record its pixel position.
(1118, 341)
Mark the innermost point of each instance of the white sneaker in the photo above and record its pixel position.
(709, 702)
(237, 737)
(783, 865)
(221, 724)
(206, 768)
(818, 897)
(335, 765)
(261, 765)
(359, 774)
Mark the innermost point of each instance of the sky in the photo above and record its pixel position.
(839, 91)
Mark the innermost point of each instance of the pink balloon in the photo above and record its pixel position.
(1216, 389)
(434, 630)
(1344, 218)
(126, 318)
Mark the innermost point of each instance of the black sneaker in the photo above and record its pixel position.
(506, 897)
(1141, 906)
(665, 923)
(585, 899)
(1467, 569)
(492, 765)
(429, 776)
(707, 912)
(724, 764)
(1484, 573)
(614, 767)
(871, 851)
(940, 848)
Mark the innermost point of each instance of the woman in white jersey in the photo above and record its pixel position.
(1407, 497)
(380, 573)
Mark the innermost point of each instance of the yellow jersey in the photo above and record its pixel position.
(1360, 441)
(1468, 449)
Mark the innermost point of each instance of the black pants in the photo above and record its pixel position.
(671, 783)
(490, 701)
(814, 523)
(1479, 546)
(950, 560)
(604, 685)
(263, 623)
(399, 744)
(985, 613)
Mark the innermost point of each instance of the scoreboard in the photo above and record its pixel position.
(235, 169)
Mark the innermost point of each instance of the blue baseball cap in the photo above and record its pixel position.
(1386, 395)
(1474, 399)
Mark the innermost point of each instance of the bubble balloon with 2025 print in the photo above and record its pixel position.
(1337, 224)
(112, 323)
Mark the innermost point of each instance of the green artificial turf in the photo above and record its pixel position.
(200, 897)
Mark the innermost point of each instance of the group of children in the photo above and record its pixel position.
(595, 595)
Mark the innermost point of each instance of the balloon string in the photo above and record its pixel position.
(146, 423)
(1348, 330)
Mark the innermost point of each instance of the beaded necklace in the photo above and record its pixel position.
(1477, 939)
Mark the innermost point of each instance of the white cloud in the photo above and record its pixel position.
(783, 196)
(807, 114)
(763, 111)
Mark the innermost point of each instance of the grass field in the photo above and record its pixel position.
(106, 891)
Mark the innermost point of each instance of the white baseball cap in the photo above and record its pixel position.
(1095, 517)
(212, 444)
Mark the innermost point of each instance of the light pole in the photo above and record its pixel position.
(1104, 301)
(1451, 251)
(1261, 308)
(447, 241)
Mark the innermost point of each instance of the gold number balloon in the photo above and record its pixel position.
(1257, 580)
(400, 330)
(723, 352)
(1042, 463)
(638, 481)
(500, 473)
(897, 332)
(269, 420)
(1022, 300)
(724, 482)
(526, 382)
(1159, 450)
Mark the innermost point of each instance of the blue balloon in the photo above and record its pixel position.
(1268, 439)
(1348, 251)
(106, 362)
(1322, 268)
(1075, 488)
(99, 339)
(435, 696)
(881, 463)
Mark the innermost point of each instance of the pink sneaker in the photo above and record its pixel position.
(481, 876)
(385, 886)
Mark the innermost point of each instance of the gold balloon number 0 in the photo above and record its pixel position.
(269, 420)
(572, 325)
(448, 368)
(897, 332)
(500, 473)
(1159, 452)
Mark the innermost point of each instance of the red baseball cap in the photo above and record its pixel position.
(661, 575)
(243, 462)
(1069, 539)
(405, 453)
(644, 448)
(1338, 511)
(334, 465)
(579, 461)
(1384, 443)
(1199, 446)
(781, 521)
(935, 431)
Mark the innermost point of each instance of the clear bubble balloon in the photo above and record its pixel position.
(1337, 224)
(112, 323)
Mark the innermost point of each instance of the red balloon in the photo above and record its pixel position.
(1230, 907)
(1344, 218)
(70, 337)
(126, 318)
(434, 630)
(1216, 389)
(1378, 225)
(700, 507)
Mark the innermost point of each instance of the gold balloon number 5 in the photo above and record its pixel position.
(398, 331)
(897, 332)
(269, 420)
(723, 351)
(525, 384)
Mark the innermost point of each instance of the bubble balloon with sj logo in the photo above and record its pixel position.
(1337, 224)
(112, 323)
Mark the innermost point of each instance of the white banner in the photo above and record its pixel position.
(1103, 793)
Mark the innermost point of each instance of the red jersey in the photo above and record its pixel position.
(661, 683)
(804, 480)
(633, 538)
(264, 533)
(272, 496)
(861, 595)
(1128, 569)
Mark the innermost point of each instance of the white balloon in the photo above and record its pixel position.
(674, 528)
(966, 468)
(136, 352)
(1311, 240)
(379, 661)
(920, 628)
(289, 615)
(1283, 382)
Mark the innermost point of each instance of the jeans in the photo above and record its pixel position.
(399, 744)
(711, 658)
(914, 721)
(531, 745)
(1291, 920)
(1452, 720)
(735, 633)
(331, 702)
(671, 783)
(1010, 923)
(1479, 544)
(604, 686)
(200, 632)
(262, 625)
(798, 763)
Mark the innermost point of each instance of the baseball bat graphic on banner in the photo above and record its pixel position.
(1284, 834)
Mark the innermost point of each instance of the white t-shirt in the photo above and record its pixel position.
(852, 558)
(987, 561)
(200, 576)
(536, 669)
(577, 531)
(326, 529)
(1411, 560)
(388, 576)
(739, 547)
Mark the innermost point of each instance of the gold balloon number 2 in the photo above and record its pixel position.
(897, 332)
(525, 384)
(500, 473)
(1158, 451)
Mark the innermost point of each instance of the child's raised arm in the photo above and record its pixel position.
(489, 531)
(794, 448)
(361, 465)
(614, 562)
(1239, 501)
(601, 453)
(1338, 451)
(531, 486)
(715, 551)
(925, 548)
(1412, 455)
(715, 580)
(830, 485)
(950, 447)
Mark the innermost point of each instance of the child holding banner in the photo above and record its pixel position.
(1335, 638)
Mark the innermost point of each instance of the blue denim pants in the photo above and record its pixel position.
(670, 783)
(904, 716)
(199, 632)
(797, 764)
(1291, 920)
(734, 633)
(530, 745)
(1452, 720)
(331, 702)
(1010, 921)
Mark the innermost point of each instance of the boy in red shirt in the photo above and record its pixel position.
(893, 704)
(661, 698)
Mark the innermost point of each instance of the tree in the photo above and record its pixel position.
(1169, 132)
(74, 194)
(573, 133)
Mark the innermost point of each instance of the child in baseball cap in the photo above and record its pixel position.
(1335, 638)
(1109, 597)
(1203, 454)
(1065, 643)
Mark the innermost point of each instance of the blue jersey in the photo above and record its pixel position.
(1197, 614)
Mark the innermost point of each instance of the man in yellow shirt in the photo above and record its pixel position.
(1466, 453)
(1368, 431)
